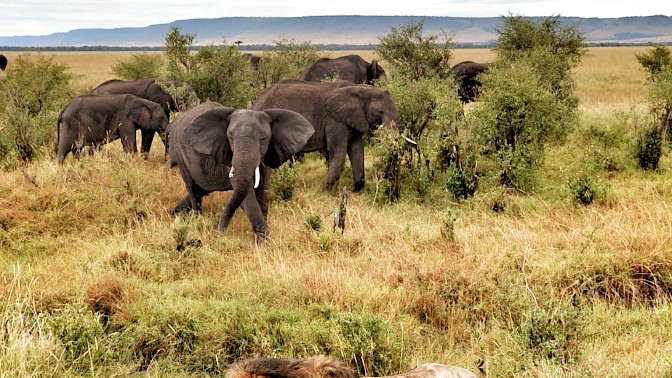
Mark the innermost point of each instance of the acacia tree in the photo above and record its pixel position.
(658, 63)
(424, 92)
(527, 99)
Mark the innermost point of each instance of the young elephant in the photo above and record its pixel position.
(341, 113)
(92, 120)
(173, 96)
(218, 148)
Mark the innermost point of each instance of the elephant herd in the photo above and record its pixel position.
(217, 148)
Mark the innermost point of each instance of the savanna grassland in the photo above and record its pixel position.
(98, 279)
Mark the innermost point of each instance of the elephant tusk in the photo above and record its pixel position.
(411, 141)
(231, 172)
(256, 178)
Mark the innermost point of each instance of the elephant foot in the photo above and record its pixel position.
(260, 237)
(359, 185)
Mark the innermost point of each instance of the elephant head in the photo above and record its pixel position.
(466, 75)
(219, 148)
(363, 108)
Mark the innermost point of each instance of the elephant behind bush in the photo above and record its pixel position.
(351, 68)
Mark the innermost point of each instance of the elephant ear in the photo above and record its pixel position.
(208, 134)
(290, 133)
(140, 113)
(347, 105)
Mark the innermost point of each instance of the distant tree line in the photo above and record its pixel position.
(264, 47)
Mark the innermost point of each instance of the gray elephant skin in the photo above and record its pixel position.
(92, 120)
(172, 96)
(466, 75)
(3, 62)
(218, 148)
(342, 113)
(350, 68)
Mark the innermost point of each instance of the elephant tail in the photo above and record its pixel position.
(58, 131)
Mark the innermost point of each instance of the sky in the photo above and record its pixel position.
(42, 17)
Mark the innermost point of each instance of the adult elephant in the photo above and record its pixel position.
(350, 67)
(173, 96)
(341, 113)
(218, 148)
(3, 62)
(92, 120)
(466, 75)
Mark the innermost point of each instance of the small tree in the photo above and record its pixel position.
(177, 47)
(656, 61)
(222, 74)
(415, 55)
(32, 93)
(141, 66)
(430, 113)
(287, 61)
(527, 99)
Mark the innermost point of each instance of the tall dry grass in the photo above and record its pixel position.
(544, 288)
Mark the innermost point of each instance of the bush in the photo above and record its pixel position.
(32, 93)
(649, 148)
(283, 180)
(585, 190)
(414, 55)
(429, 111)
(141, 66)
(287, 61)
(515, 119)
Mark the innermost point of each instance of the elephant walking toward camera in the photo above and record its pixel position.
(350, 68)
(92, 120)
(341, 113)
(466, 75)
(172, 96)
(218, 148)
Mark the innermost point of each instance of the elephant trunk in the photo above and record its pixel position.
(393, 120)
(244, 176)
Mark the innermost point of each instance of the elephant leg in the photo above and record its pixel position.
(146, 143)
(164, 138)
(356, 154)
(194, 198)
(256, 216)
(129, 143)
(337, 145)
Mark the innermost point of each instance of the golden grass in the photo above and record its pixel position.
(100, 227)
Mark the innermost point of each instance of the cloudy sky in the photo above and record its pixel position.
(40, 17)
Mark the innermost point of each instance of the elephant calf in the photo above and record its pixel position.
(92, 120)
(218, 148)
(172, 96)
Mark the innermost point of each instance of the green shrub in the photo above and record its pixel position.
(282, 182)
(313, 222)
(81, 334)
(141, 66)
(554, 334)
(585, 190)
(649, 148)
(32, 94)
(286, 61)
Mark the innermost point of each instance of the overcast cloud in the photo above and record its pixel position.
(33, 17)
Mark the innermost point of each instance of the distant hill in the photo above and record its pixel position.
(341, 30)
